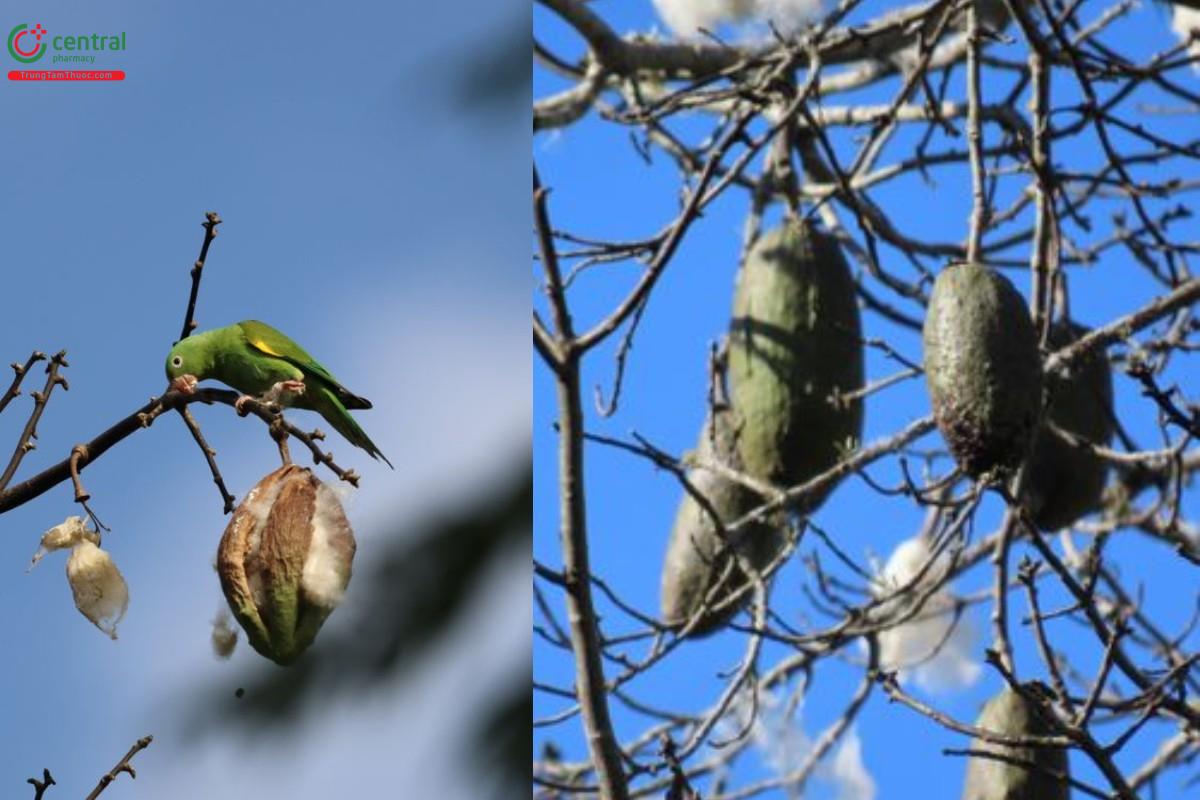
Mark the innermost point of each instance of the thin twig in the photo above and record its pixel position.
(272, 415)
(40, 787)
(979, 207)
(211, 221)
(1000, 641)
(79, 453)
(122, 766)
(20, 371)
(26, 442)
(210, 456)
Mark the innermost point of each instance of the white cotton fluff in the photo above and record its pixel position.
(326, 570)
(346, 493)
(259, 502)
(932, 649)
(849, 773)
(777, 731)
(751, 19)
(97, 585)
(100, 591)
(778, 734)
(224, 634)
(1184, 20)
(68, 533)
(687, 17)
(788, 16)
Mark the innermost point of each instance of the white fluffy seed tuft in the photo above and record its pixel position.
(99, 589)
(224, 634)
(326, 570)
(935, 648)
(97, 585)
(749, 19)
(1184, 20)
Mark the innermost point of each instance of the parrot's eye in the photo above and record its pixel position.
(177, 361)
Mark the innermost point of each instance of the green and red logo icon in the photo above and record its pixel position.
(25, 44)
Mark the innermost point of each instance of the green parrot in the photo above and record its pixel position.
(258, 360)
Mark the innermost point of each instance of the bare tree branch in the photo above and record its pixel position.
(123, 765)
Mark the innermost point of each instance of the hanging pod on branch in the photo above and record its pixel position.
(1045, 771)
(284, 561)
(982, 368)
(702, 568)
(795, 353)
(1063, 481)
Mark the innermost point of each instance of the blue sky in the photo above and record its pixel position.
(602, 189)
(365, 215)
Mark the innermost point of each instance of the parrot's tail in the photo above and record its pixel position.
(343, 423)
(351, 400)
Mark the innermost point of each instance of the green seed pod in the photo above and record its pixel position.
(1010, 714)
(699, 565)
(982, 368)
(795, 350)
(1063, 482)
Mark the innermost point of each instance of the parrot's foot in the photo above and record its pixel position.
(281, 392)
(239, 405)
(184, 384)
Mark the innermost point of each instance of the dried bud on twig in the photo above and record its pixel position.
(284, 561)
(100, 592)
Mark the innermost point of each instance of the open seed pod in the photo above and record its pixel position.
(700, 564)
(982, 368)
(1063, 482)
(1011, 714)
(284, 561)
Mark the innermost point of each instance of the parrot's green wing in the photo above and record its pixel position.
(265, 339)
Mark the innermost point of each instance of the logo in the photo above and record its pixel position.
(88, 50)
(25, 44)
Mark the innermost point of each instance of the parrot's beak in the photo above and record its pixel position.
(184, 384)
